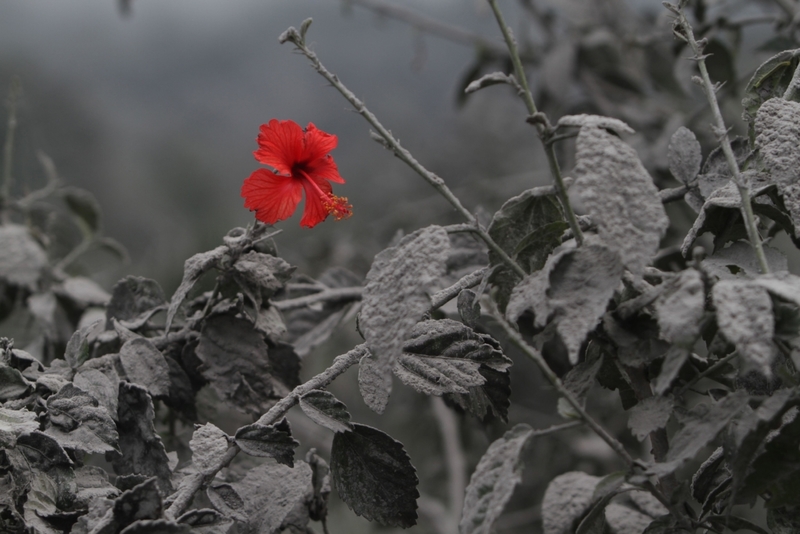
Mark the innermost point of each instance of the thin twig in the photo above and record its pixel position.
(181, 499)
(431, 26)
(704, 374)
(671, 195)
(8, 148)
(440, 298)
(394, 145)
(544, 133)
(684, 30)
(329, 294)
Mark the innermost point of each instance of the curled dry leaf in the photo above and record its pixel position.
(680, 309)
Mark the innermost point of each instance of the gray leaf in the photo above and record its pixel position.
(78, 422)
(744, 316)
(490, 399)
(395, 297)
(684, 156)
(155, 526)
(373, 384)
(145, 365)
(12, 383)
(326, 410)
(680, 308)
(273, 441)
(701, 426)
(261, 275)
(490, 79)
(777, 129)
(209, 445)
(574, 288)
(84, 207)
(770, 79)
(193, 269)
(83, 291)
(91, 484)
(620, 196)
(143, 452)
(649, 415)
(225, 499)
(235, 361)
(41, 502)
(624, 520)
(469, 307)
(783, 285)
(132, 296)
(99, 386)
(21, 257)
(42, 451)
(673, 361)
(444, 356)
(493, 482)
(374, 476)
(595, 121)
(79, 347)
(15, 422)
(739, 259)
(275, 497)
(566, 499)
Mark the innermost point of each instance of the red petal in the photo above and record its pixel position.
(273, 197)
(317, 143)
(324, 168)
(280, 145)
(315, 211)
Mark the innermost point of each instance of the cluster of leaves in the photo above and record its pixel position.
(703, 353)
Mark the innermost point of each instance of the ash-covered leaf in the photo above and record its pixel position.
(573, 288)
(777, 128)
(92, 483)
(79, 347)
(739, 260)
(78, 422)
(261, 275)
(395, 298)
(595, 121)
(83, 291)
(469, 307)
(321, 480)
(680, 308)
(770, 80)
(620, 196)
(42, 451)
(132, 296)
(534, 219)
(490, 399)
(491, 79)
(783, 520)
(227, 500)
(235, 362)
(374, 476)
(673, 361)
(143, 452)
(567, 498)
(12, 383)
(326, 410)
(275, 497)
(580, 379)
(684, 156)
(143, 501)
(273, 441)
(712, 477)
(145, 365)
(445, 356)
(203, 517)
(15, 422)
(700, 427)
(492, 484)
(624, 520)
(41, 502)
(209, 445)
(782, 285)
(21, 257)
(649, 415)
(193, 269)
(373, 384)
(744, 316)
(156, 526)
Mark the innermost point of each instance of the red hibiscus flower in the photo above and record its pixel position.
(301, 162)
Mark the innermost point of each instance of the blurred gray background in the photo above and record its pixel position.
(156, 112)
